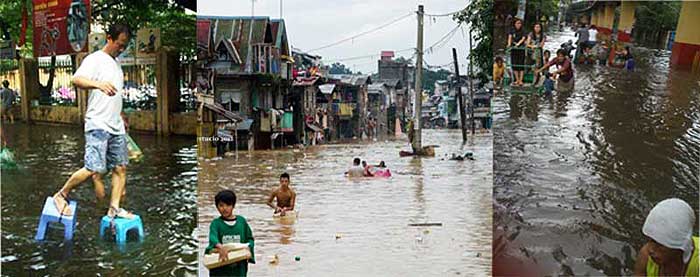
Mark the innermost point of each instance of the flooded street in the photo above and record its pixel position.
(370, 216)
(577, 173)
(160, 188)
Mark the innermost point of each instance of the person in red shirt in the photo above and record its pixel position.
(565, 72)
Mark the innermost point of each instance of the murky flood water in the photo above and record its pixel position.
(161, 189)
(577, 173)
(370, 215)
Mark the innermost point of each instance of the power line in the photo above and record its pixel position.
(445, 14)
(435, 46)
(363, 33)
(364, 56)
(442, 41)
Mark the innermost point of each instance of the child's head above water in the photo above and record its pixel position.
(547, 54)
(356, 161)
(499, 60)
(225, 200)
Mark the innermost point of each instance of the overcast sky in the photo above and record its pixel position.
(315, 23)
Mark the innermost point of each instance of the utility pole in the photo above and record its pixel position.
(460, 98)
(469, 79)
(280, 9)
(416, 143)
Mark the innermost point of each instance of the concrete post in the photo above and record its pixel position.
(29, 86)
(167, 89)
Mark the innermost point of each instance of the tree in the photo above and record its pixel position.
(11, 22)
(339, 68)
(654, 19)
(429, 78)
(401, 59)
(178, 30)
(479, 16)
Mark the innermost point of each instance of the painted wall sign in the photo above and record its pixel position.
(60, 26)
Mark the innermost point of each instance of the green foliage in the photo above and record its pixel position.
(11, 18)
(540, 11)
(429, 78)
(656, 17)
(402, 59)
(178, 30)
(535, 10)
(339, 68)
(479, 15)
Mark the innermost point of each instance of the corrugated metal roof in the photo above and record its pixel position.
(327, 88)
(355, 80)
(217, 108)
(392, 83)
(377, 88)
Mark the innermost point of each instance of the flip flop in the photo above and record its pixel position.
(120, 212)
(63, 210)
(117, 212)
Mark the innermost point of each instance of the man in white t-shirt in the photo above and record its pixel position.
(105, 134)
(592, 33)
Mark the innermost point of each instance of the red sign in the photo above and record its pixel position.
(203, 36)
(60, 26)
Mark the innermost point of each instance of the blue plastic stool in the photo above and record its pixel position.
(50, 214)
(122, 226)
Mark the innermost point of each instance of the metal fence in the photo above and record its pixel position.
(62, 92)
(139, 84)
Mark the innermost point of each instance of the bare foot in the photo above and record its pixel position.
(119, 212)
(62, 205)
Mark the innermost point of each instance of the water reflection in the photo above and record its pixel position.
(161, 189)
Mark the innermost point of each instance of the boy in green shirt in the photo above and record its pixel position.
(229, 228)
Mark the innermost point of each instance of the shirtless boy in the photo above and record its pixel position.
(286, 197)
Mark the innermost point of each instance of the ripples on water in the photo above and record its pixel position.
(576, 174)
(370, 215)
(161, 189)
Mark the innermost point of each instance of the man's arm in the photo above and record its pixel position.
(547, 65)
(272, 197)
(85, 83)
(293, 201)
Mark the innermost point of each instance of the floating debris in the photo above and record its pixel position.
(274, 259)
(426, 224)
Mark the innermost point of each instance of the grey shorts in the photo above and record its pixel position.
(104, 151)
